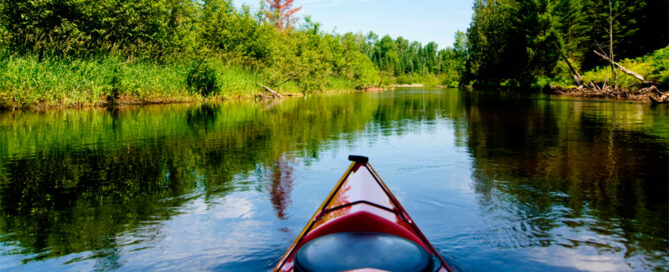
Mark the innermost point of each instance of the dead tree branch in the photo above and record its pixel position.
(621, 68)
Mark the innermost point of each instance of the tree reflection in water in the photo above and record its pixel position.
(72, 180)
(282, 186)
(551, 164)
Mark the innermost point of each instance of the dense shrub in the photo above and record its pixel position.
(202, 79)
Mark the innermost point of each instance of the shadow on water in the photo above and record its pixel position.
(544, 171)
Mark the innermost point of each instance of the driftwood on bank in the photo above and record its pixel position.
(650, 94)
(272, 92)
(656, 96)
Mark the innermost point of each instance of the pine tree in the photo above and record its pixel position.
(572, 29)
(626, 16)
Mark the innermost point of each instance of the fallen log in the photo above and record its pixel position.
(622, 68)
(657, 97)
(574, 74)
(595, 87)
(272, 92)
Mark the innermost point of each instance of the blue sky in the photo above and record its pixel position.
(415, 20)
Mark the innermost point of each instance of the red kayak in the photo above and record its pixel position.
(361, 227)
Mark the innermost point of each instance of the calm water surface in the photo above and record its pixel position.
(496, 182)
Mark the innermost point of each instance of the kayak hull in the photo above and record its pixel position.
(360, 202)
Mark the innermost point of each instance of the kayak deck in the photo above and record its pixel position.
(359, 203)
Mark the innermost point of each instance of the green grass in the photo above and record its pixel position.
(236, 80)
(339, 84)
(26, 81)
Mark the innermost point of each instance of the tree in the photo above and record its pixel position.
(570, 23)
(386, 54)
(460, 44)
(404, 57)
(521, 41)
(498, 51)
(625, 28)
(281, 13)
(430, 57)
(415, 50)
(235, 34)
(79, 27)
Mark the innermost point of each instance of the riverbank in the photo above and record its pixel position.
(650, 94)
(27, 82)
(30, 83)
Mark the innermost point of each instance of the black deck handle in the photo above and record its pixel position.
(358, 158)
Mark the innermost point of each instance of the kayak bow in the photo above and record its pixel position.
(361, 227)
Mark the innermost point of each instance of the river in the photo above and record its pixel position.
(496, 181)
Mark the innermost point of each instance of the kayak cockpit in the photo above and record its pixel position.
(359, 250)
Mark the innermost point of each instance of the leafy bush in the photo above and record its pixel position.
(660, 62)
(202, 79)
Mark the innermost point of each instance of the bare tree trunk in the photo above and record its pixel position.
(424, 62)
(613, 66)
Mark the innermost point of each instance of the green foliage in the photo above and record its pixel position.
(653, 67)
(510, 41)
(410, 60)
(660, 66)
(202, 79)
(309, 58)
(404, 62)
(78, 27)
(77, 52)
(521, 41)
(66, 52)
(235, 34)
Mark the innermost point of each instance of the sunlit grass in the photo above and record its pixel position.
(26, 81)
